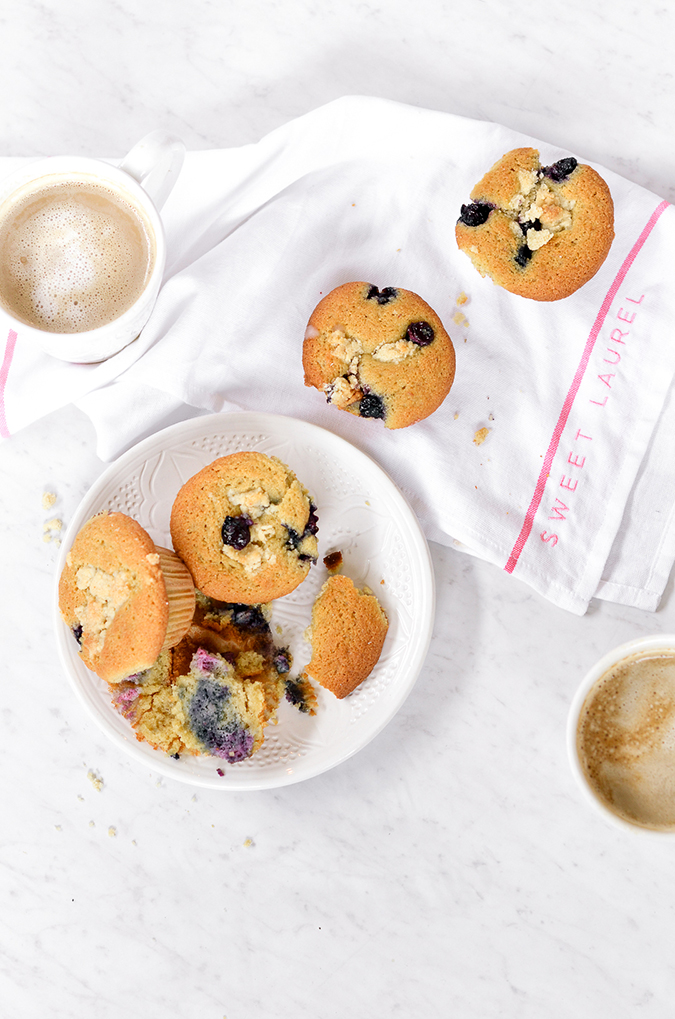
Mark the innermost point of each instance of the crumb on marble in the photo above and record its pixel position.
(480, 436)
(95, 780)
(52, 525)
(58, 827)
(48, 500)
(92, 824)
(249, 842)
(112, 831)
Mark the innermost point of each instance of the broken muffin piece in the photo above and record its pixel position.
(347, 634)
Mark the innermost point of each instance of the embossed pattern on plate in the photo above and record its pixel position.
(361, 512)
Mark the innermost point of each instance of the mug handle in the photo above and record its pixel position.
(155, 162)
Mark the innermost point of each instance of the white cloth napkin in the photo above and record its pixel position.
(573, 489)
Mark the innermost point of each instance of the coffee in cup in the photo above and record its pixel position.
(623, 727)
(83, 250)
(75, 253)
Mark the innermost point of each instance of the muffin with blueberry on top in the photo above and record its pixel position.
(378, 353)
(246, 528)
(541, 232)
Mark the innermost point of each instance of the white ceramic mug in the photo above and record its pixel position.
(656, 645)
(141, 183)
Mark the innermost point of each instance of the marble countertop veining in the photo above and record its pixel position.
(450, 867)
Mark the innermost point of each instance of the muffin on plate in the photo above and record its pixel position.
(124, 598)
(206, 709)
(538, 231)
(246, 528)
(378, 354)
(216, 691)
(347, 635)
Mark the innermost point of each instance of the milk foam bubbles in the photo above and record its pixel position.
(75, 253)
(626, 739)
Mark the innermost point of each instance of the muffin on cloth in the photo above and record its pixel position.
(124, 598)
(538, 231)
(246, 528)
(347, 634)
(378, 353)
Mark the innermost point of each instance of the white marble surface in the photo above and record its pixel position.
(450, 868)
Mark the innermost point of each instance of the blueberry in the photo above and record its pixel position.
(176, 757)
(475, 214)
(77, 633)
(282, 660)
(293, 540)
(524, 255)
(312, 525)
(296, 695)
(382, 296)
(531, 224)
(560, 170)
(420, 333)
(236, 531)
(371, 406)
(248, 617)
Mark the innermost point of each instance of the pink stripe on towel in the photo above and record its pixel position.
(528, 522)
(4, 372)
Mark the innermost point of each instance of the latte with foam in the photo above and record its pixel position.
(75, 253)
(626, 739)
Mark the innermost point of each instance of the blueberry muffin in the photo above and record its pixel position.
(246, 529)
(378, 354)
(124, 598)
(347, 634)
(209, 710)
(214, 692)
(538, 231)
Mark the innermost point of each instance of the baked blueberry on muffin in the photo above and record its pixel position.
(124, 599)
(378, 354)
(246, 529)
(538, 231)
(347, 634)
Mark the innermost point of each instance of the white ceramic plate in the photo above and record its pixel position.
(361, 512)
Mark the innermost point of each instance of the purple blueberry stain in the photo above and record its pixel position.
(208, 713)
